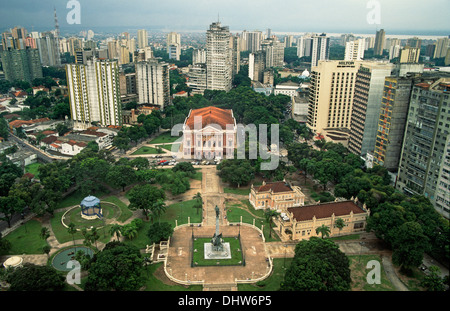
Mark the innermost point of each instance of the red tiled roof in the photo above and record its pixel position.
(49, 139)
(325, 210)
(211, 115)
(55, 146)
(19, 123)
(279, 186)
(48, 132)
(93, 133)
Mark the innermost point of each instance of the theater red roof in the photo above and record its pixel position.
(325, 210)
(211, 115)
(279, 186)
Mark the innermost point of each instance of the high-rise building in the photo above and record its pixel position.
(354, 50)
(274, 52)
(414, 42)
(391, 123)
(23, 64)
(256, 66)
(47, 45)
(379, 42)
(142, 36)
(174, 45)
(94, 93)
(218, 58)
(320, 49)
(253, 40)
(304, 46)
(235, 54)
(288, 41)
(197, 78)
(409, 55)
(425, 157)
(394, 51)
(369, 86)
(199, 56)
(153, 84)
(441, 47)
(331, 95)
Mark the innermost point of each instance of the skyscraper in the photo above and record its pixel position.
(142, 38)
(47, 45)
(23, 64)
(218, 58)
(379, 42)
(235, 54)
(174, 45)
(94, 93)
(354, 50)
(331, 95)
(441, 47)
(152, 83)
(409, 55)
(304, 46)
(424, 163)
(320, 49)
(369, 86)
(273, 52)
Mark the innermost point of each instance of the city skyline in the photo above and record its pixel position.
(402, 17)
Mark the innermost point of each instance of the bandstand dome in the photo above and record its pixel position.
(90, 207)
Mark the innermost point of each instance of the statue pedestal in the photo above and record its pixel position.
(210, 253)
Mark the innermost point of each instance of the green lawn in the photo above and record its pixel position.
(198, 174)
(146, 150)
(181, 211)
(235, 249)
(168, 147)
(273, 282)
(26, 240)
(165, 137)
(33, 169)
(125, 212)
(241, 191)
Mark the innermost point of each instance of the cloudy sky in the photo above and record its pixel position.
(397, 16)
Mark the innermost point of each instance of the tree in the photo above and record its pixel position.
(118, 267)
(45, 233)
(339, 223)
(269, 214)
(143, 197)
(158, 232)
(115, 229)
(122, 143)
(72, 230)
(31, 277)
(236, 172)
(198, 201)
(318, 265)
(121, 176)
(432, 281)
(158, 208)
(409, 245)
(9, 206)
(323, 230)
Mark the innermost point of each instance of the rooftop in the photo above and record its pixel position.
(211, 115)
(325, 210)
(278, 186)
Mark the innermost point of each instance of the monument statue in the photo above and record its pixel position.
(216, 241)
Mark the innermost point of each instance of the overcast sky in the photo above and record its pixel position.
(397, 16)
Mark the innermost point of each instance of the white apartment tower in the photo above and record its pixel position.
(94, 93)
(354, 50)
(142, 38)
(218, 58)
(320, 49)
(174, 45)
(152, 83)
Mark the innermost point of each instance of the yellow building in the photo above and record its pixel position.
(276, 196)
(299, 223)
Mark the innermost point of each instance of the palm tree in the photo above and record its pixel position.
(158, 208)
(94, 236)
(45, 233)
(115, 230)
(339, 223)
(199, 199)
(323, 230)
(72, 230)
(269, 214)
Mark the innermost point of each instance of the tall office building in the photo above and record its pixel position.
(304, 45)
(142, 36)
(414, 42)
(23, 64)
(47, 45)
(379, 42)
(394, 51)
(152, 82)
(320, 49)
(354, 50)
(274, 52)
(425, 157)
(218, 58)
(369, 86)
(409, 55)
(391, 123)
(256, 66)
(197, 78)
(173, 43)
(441, 47)
(253, 40)
(94, 93)
(331, 95)
(235, 54)
(288, 41)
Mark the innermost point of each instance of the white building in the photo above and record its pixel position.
(218, 58)
(320, 49)
(94, 93)
(142, 38)
(288, 88)
(152, 83)
(354, 50)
